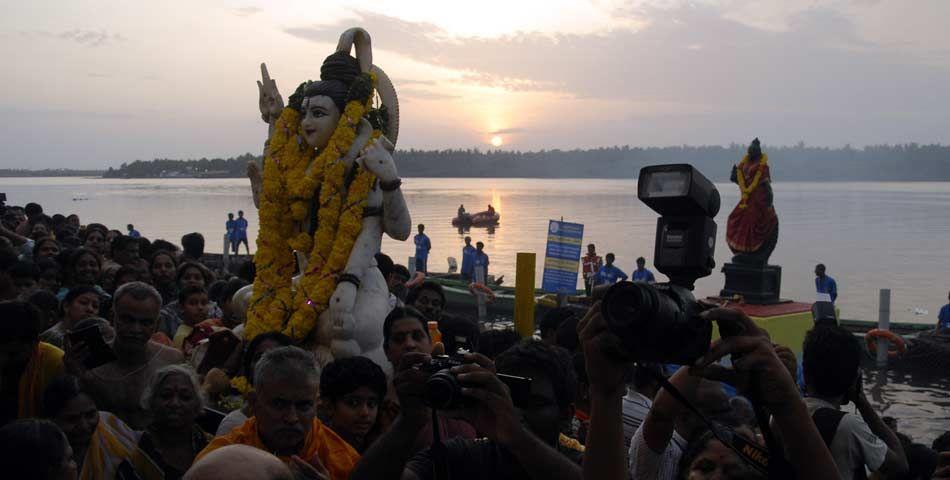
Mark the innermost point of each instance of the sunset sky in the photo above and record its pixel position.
(90, 84)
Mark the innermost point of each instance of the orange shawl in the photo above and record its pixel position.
(45, 364)
(337, 456)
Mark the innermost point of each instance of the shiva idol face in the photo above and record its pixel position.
(320, 118)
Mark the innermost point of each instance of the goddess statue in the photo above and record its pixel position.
(327, 191)
(752, 231)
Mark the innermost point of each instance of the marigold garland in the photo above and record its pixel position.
(740, 177)
(291, 175)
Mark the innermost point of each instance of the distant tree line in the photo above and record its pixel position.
(165, 167)
(49, 172)
(908, 162)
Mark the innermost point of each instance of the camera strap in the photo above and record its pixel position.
(440, 458)
(750, 452)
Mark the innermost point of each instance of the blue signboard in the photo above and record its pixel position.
(562, 257)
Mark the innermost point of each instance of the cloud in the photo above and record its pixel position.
(421, 94)
(508, 131)
(88, 38)
(820, 63)
(247, 11)
(410, 81)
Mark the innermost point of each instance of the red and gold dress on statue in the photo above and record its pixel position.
(753, 223)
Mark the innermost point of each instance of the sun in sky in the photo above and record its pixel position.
(497, 141)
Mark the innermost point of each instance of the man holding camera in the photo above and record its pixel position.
(831, 361)
(521, 440)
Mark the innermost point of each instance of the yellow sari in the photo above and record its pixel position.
(112, 444)
(45, 364)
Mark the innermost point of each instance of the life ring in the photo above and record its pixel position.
(899, 347)
(475, 288)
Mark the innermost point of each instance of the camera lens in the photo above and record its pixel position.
(443, 390)
(655, 324)
(633, 306)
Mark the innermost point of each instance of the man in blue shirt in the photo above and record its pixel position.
(824, 283)
(468, 259)
(240, 233)
(480, 262)
(132, 231)
(641, 274)
(943, 318)
(229, 226)
(423, 245)
(610, 274)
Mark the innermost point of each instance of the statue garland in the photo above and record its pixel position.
(291, 175)
(743, 188)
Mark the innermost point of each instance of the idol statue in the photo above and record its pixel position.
(752, 231)
(326, 192)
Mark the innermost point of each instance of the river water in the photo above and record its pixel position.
(871, 235)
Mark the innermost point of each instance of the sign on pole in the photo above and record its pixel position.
(562, 257)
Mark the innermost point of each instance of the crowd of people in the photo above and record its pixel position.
(122, 357)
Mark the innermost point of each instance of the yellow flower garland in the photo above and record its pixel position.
(291, 175)
(740, 177)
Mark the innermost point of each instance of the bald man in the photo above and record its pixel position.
(239, 462)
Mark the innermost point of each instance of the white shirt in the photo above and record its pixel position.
(230, 421)
(645, 463)
(854, 443)
(635, 409)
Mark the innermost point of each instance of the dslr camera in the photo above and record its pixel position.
(660, 322)
(444, 392)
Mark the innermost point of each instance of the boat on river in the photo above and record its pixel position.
(488, 218)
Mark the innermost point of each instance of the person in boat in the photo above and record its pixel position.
(491, 210)
(423, 246)
(481, 262)
(642, 274)
(461, 212)
(943, 318)
(468, 259)
(824, 283)
(609, 274)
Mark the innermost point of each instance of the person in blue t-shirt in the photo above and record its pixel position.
(229, 226)
(240, 233)
(423, 245)
(468, 259)
(824, 283)
(610, 274)
(943, 318)
(641, 274)
(132, 231)
(480, 262)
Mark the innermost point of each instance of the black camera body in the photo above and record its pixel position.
(661, 322)
(443, 390)
(656, 323)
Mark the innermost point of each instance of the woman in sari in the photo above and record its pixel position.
(173, 438)
(81, 302)
(103, 446)
(27, 365)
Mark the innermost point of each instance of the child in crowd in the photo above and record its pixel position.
(196, 326)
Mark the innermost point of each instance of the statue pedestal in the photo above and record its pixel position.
(757, 284)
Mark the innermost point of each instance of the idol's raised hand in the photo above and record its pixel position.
(270, 101)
